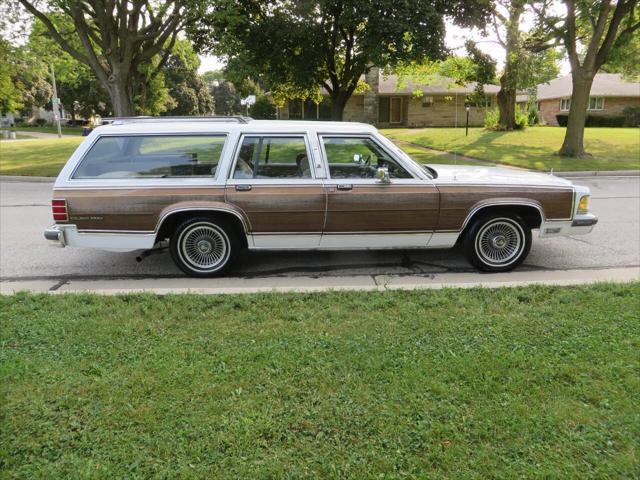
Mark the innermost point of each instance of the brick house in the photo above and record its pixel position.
(388, 104)
(610, 94)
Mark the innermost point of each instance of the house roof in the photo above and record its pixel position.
(604, 85)
(389, 85)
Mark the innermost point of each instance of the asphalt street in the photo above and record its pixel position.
(25, 255)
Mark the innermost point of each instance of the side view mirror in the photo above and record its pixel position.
(382, 175)
(357, 158)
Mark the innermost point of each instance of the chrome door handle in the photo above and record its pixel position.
(345, 186)
(243, 188)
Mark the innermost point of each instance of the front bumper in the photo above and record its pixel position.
(587, 220)
(580, 225)
(55, 236)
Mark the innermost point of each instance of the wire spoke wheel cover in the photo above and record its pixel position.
(500, 242)
(204, 247)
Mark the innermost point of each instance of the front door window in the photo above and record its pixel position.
(358, 158)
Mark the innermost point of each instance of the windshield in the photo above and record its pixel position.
(428, 170)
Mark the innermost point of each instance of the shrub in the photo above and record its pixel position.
(522, 119)
(491, 119)
(18, 120)
(562, 119)
(632, 116)
(533, 114)
(596, 120)
(41, 122)
(263, 109)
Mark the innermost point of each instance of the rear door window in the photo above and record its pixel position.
(152, 156)
(272, 157)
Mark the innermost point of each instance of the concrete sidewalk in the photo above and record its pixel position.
(230, 285)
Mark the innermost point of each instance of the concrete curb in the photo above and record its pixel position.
(234, 285)
(26, 179)
(600, 173)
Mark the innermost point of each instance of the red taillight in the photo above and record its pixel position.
(59, 210)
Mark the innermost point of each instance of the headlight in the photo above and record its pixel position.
(583, 206)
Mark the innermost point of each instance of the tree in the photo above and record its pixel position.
(187, 87)
(11, 91)
(24, 79)
(527, 63)
(477, 67)
(512, 43)
(78, 89)
(624, 57)
(226, 99)
(117, 38)
(324, 43)
(588, 32)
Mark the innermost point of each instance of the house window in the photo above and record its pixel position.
(383, 110)
(427, 102)
(596, 103)
(565, 104)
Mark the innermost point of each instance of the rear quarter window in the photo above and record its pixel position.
(152, 156)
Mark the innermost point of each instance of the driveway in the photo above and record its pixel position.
(26, 261)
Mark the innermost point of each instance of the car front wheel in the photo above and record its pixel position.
(203, 247)
(497, 243)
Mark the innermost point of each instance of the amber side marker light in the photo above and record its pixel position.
(59, 210)
(583, 206)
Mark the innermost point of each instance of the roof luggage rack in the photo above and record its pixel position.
(213, 118)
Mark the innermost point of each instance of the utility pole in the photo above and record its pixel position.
(56, 102)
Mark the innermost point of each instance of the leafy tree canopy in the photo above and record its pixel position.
(300, 46)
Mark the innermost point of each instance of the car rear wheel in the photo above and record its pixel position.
(203, 247)
(497, 243)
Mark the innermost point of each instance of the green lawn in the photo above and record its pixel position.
(36, 157)
(536, 382)
(49, 129)
(534, 148)
(612, 149)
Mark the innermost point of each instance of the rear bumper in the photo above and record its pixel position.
(55, 236)
(114, 241)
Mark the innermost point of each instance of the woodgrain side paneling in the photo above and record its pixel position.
(281, 209)
(128, 209)
(457, 201)
(380, 208)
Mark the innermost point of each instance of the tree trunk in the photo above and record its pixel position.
(120, 94)
(507, 103)
(509, 78)
(573, 145)
(338, 102)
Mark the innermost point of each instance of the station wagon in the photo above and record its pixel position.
(214, 186)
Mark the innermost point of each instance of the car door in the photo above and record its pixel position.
(272, 181)
(363, 212)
